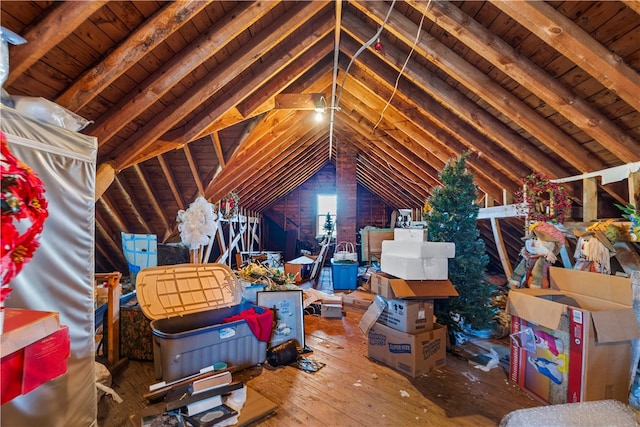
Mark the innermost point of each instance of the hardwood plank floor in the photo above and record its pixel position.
(350, 390)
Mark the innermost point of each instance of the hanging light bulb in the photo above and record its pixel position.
(378, 45)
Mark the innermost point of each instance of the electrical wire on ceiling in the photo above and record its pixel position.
(336, 54)
(395, 87)
(362, 48)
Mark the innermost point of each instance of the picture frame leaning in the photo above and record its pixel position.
(288, 315)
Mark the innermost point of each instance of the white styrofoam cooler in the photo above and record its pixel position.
(187, 305)
(410, 234)
(416, 249)
(415, 268)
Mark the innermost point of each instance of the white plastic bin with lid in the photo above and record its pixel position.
(187, 305)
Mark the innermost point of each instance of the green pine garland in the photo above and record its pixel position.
(451, 214)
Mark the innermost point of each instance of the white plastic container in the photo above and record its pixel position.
(187, 304)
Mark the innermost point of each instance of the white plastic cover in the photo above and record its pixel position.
(60, 275)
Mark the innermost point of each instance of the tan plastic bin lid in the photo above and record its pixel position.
(176, 290)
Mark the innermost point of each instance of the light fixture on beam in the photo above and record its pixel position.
(320, 108)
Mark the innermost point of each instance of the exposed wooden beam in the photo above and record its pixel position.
(126, 195)
(215, 81)
(307, 51)
(177, 195)
(154, 31)
(115, 249)
(151, 196)
(104, 177)
(633, 5)
(58, 24)
(534, 78)
(170, 74)
(215, 139)
(483, 86)
(194, 169)
(441, 96)
(113, 213)
(576, 44)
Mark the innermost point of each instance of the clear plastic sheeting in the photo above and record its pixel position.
(599, 413)
(49, 112)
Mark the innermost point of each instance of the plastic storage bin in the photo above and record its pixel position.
(187, 304)
(344, 275)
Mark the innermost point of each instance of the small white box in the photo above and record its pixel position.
(411, 249)
(410, 234)
(331, 310)
(415, 268)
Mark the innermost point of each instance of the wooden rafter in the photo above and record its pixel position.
(483, 86)
(162, 80)
(153, 32)
(55, 27)
(529, 75)
(574, 43)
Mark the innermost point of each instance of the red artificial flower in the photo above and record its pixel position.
(22, 198)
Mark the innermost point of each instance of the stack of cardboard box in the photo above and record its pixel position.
(399, 325)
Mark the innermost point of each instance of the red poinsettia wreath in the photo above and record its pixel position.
(24, 210)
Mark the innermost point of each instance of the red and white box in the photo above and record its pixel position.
(571, 343)
(35, 349)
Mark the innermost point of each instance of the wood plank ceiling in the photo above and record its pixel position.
(184, 95)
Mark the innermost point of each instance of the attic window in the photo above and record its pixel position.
(327, 203)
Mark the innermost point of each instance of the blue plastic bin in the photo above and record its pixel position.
(344, 275)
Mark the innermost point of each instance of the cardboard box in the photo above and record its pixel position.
(581, 330)
(391, 287)
(410, 234)
(23, 327)
(412, 316)
(411, 354)
(415, 268)
(357, 301)
(331, 310)
(31, 366)
(299, 267)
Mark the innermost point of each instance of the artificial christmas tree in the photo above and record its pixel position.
(450, 214)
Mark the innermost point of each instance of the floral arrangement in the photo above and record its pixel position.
(632, 214)
(24, 210)
(274, 279)
(228, 207)
(197, 224)
(542, 200)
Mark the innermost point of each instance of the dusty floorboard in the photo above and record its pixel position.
(350, 390)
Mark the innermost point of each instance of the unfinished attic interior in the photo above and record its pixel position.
(343, 158)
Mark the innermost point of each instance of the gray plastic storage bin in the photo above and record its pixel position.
(187, 304)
